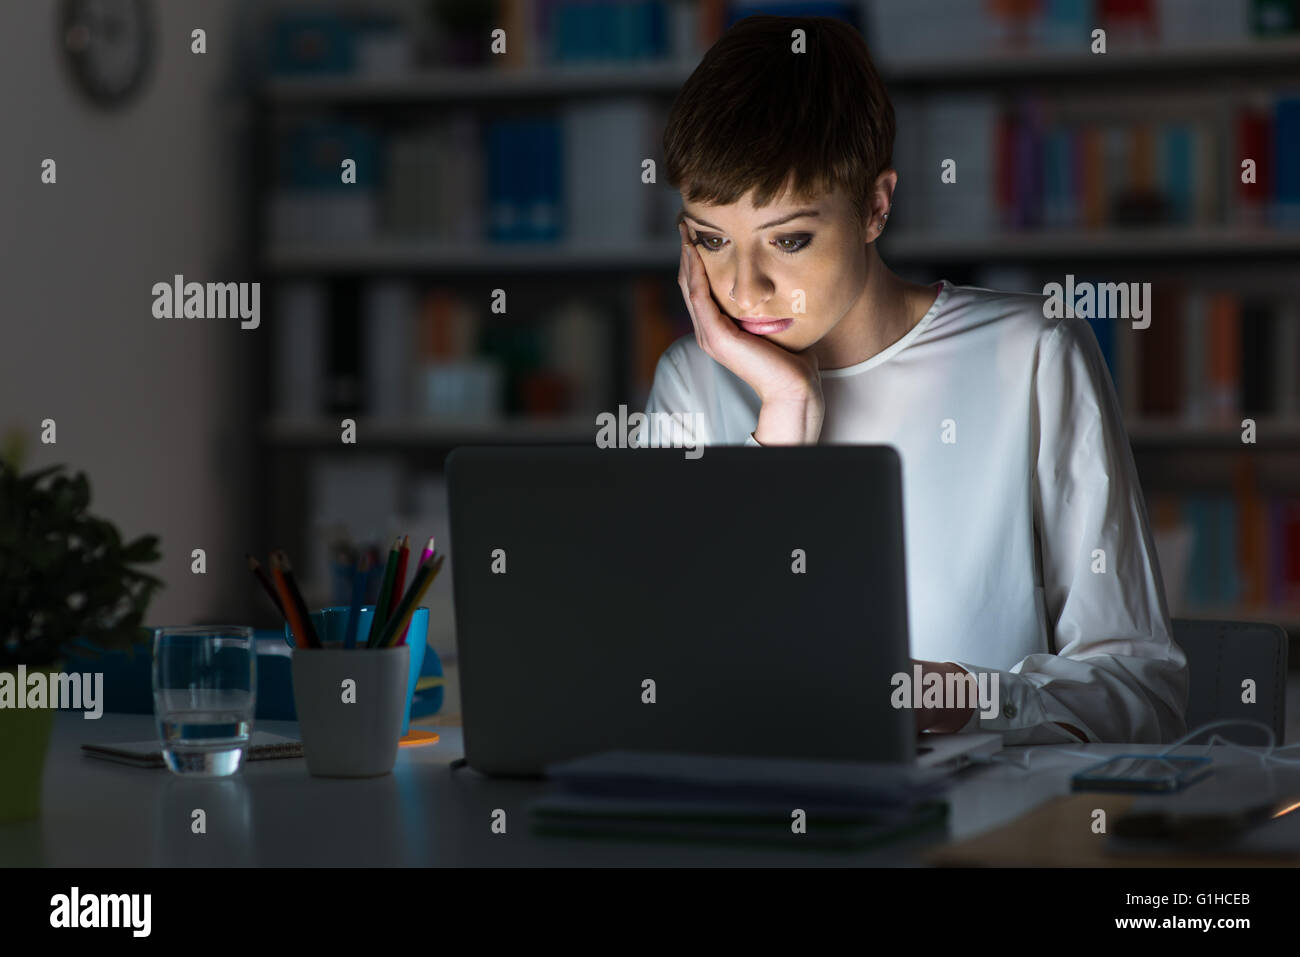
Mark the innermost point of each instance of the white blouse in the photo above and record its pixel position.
(1028, 547)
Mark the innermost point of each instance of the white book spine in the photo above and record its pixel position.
(388, 326)
(298, 326)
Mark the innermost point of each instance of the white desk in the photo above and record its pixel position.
(272, 813)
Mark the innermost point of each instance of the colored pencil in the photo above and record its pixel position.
(296, 599)
(423, 579)
(380, 617)
(399, 582)
(424, 557)
(435, 566)
(359, 578)
(290, 613)
(295, 596)
(256, 568)
(286, 599)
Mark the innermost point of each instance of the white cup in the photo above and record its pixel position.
(350, 731)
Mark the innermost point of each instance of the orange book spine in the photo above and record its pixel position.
(1142, 160)
(1224, 357)
(712, 20)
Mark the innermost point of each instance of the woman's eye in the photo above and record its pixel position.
(786, 244)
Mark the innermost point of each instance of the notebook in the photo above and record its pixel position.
(739, 800)
(148, 754)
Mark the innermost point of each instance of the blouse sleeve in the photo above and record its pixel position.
(1116, 673)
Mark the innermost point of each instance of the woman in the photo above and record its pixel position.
(1029, 551)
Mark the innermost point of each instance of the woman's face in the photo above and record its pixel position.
(803, 261)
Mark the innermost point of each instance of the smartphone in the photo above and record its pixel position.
(1142, 772)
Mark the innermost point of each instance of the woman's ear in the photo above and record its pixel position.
(882, 200)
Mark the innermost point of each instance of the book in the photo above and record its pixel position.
(1286, 176)
(389, 308)
(1254, 135)
(1258, 344)
(1162, 350)
(1285, 552)
(262, 746)
(301, 314)
(719, 823)
(604, 144)
(1223, 348)
(740, 800)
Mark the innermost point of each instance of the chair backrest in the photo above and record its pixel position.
(1220, 656)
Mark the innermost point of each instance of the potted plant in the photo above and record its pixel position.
(64, 575)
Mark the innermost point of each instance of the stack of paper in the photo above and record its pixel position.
(706, 798)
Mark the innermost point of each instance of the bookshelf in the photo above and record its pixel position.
(1224, 69)
(1206, 61)
(447, 259)
(440, 86)
(444, 259)
(323, 434)
(1213, 62)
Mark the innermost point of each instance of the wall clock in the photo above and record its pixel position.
(109, 46)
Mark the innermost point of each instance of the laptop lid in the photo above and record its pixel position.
(747, 602)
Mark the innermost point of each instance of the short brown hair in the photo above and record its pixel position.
(754, 114)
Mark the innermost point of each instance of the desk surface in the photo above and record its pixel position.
(272, 813)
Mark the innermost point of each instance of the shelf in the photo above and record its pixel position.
(1287, 618)
(324, 433)
(1148, 243)
(393, 433)
(423, 86)
(1268, 433)
(435, 257)
(452, 258)
(1262, 54)
(479, 84)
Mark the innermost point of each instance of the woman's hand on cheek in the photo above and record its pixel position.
(775, 374)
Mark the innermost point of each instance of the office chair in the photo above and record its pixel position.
(1220, 655)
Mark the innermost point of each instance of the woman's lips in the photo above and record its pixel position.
(762, 327)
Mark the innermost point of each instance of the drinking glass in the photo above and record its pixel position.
(204, 696)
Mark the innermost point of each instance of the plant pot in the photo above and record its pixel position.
(24, 739)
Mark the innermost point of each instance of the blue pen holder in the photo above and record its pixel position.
(331, 626)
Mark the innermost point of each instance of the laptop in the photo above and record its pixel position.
(749, 602)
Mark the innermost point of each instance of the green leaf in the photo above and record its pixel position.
(81, 491)
(51, 548)
(141, 550)
(32, 478)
